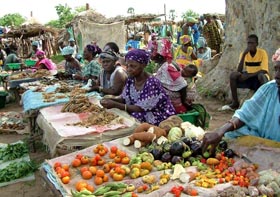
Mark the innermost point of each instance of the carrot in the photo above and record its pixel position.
(212, 161)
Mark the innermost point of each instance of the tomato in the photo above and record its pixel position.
(101, 162)
(118, 159)
(113, 149)
(65, 167)
(76, 163)
(56, 164)
(80, 185)
(117, 177)
(106, 168)
(87, 174)
(102, 152)
(65, 179)
(97, 157)
(85, 160)
(79, 156)
(112, 155)
(100, 173)
(98, 180)
(93, 170)
(85, 168)
(125, 160)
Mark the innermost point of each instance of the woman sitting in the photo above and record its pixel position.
(203, 51)
(43, 62)
(184, 54)
(92, 69)
(113, 77)
(72, 65)
(143, 96)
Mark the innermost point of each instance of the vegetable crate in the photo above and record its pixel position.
(29, 63)
(190, 116)
(14, 66)
(3, 95)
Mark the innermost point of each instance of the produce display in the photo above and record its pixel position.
(11, 121)
(13, 151)
(38, 74)
(15, 163)
(80, 103)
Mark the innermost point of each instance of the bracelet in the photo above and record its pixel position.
(232, 123)
(125, 107)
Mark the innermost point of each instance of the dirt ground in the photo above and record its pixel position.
(39, 188)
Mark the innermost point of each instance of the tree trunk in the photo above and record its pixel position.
(260, 17)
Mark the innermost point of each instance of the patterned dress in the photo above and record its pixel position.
(152, 99)
(93, 68)
(212, 35)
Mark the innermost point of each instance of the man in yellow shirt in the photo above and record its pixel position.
(252, 71)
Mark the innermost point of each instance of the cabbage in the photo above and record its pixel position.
(174, 134)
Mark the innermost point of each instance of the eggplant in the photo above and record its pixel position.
(195, 147)
(229, 153)
(222, 146)
(176, 159)
(166, 157)
(187, 141)
(177, 148)
(157, 153)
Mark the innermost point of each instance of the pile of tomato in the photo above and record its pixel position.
(105, 162)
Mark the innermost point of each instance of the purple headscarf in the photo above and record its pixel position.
(138, 55)
(94, 49)
(39, 53)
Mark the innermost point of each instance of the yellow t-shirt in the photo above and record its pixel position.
(256, 63)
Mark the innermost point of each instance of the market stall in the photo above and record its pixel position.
(188, 181)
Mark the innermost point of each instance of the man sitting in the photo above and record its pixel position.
(252, 71)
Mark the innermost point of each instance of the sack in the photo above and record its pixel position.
(203, 118)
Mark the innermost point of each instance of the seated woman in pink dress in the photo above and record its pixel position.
(43, 62)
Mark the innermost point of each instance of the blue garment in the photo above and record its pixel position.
(196, 33)
(261, 114)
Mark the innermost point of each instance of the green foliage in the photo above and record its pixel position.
(190, 13)
(79, 9)
(151, 67)
(14, 19)
(65, 15)
(130, 11)
(54, 23)
(57, 58)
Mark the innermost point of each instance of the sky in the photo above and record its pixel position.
(44, 10)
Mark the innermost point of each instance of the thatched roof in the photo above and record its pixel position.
(93, 16)
(26, 31)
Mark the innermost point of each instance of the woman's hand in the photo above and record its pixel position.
(211, 139)
(108, 103)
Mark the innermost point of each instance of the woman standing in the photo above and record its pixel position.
(143, 96)
(92, 68)
(113, 77)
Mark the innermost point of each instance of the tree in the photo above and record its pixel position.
(130, 11)
(241, 17)
(64, 13)
(79, 9)
(12, 20)
(190, 13)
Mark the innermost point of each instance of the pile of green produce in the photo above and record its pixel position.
(13, 151)
(17, 170)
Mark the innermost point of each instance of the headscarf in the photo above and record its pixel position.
(191, 20)
(94, 49)
(185, 39)
(276, 56)
(68, 50)
(109, 54)
(40, 53)
(138, 55)
(165, 49)
(201, 42)
(35, 43)
(71, 39)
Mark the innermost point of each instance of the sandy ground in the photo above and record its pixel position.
(39, 188)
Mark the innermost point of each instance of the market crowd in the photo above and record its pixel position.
(170, 89)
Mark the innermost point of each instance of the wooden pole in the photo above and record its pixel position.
(164, 12)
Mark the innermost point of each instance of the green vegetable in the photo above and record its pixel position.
(17, 170)
(13, 151)
(111, 193)
(101, 190)
(174, 134)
